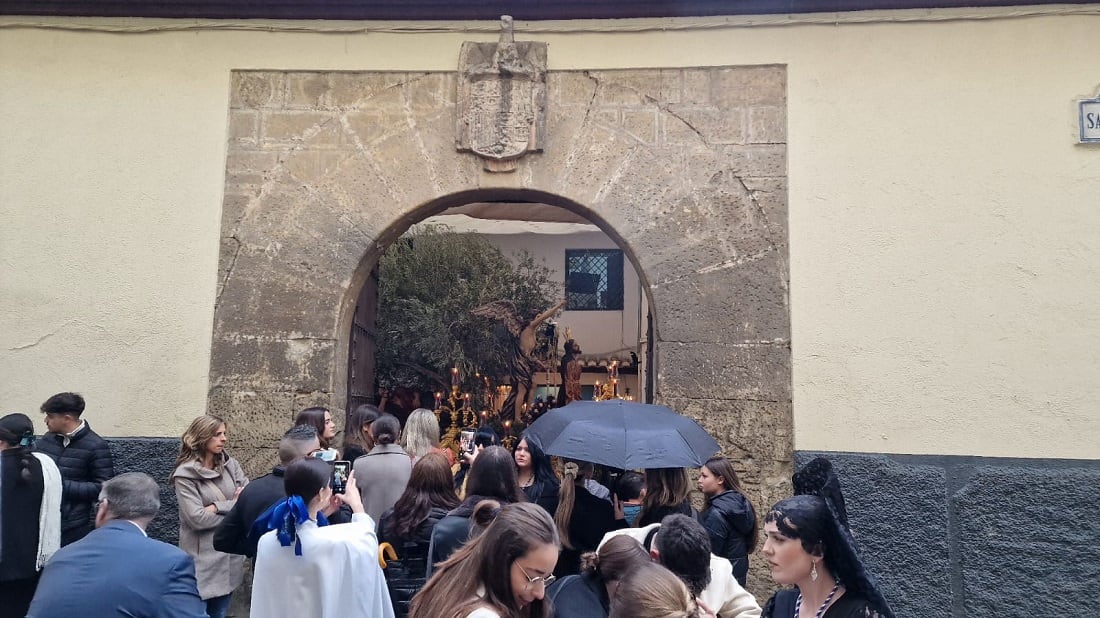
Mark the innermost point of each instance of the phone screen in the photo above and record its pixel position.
(341, 471)
(466, 440)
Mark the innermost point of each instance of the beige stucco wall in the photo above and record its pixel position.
(944, 254)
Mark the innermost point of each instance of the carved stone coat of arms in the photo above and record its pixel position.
(501, 99)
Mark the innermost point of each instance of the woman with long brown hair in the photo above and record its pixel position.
(581, 518)
(321, 420)
(408, 526)
(728, 517)
(357, 439)
(666, 493)
(502, 573)
(207, 482)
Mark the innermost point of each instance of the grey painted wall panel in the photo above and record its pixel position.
(975, 537)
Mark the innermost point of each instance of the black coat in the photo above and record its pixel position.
(656, 515)
(851, 605)
(234, 535)
(453, 530)
(579, 596)
(407, 575)
(592, 518)
(543, 494)
(729, 521)
(84, 465)
(20, 505)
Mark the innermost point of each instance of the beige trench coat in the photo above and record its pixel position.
(218, 574)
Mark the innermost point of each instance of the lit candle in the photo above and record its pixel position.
(438, 400)
(454, 376)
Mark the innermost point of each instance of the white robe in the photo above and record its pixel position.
(337, 575)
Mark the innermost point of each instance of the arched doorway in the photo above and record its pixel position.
(608, 310)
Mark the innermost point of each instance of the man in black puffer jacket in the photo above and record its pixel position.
(84, 459)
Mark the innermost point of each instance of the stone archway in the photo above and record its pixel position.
(685, 167)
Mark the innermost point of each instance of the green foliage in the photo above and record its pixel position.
(429, 280)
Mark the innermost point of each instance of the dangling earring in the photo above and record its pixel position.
(813, 571)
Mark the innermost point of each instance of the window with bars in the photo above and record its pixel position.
(594, 279)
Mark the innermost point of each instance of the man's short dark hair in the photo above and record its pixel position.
(132, 495)
(295, 441)
(630, 486)
(684, 548)
(64, 403)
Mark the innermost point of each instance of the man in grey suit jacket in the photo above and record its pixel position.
(116, 570)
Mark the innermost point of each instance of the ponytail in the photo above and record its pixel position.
(566, 498)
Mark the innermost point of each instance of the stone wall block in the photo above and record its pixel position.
(309, 166)
(263, 297)
(759, 372)
(697, 85)
(744, 303)
(620, 88)
(747, 161)
(367, 128)
(244, 129)
(770, 196)
(1043, 524)
(286, 129)
(308, 91)
(749, 86)
(710, 124)
(256, 89)
(435, 134)
(641, 124)
(568, 90)
(246, 171)
(234, 205)
(431, 93)
(359, 90)
(298, 363)
(768, 124)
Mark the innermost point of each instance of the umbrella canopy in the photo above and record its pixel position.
(623, 434)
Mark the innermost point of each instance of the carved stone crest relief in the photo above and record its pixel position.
(501, 99)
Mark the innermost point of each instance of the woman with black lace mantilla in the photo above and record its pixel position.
(808, 545)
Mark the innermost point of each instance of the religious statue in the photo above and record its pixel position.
(523, 363)
(570, 389)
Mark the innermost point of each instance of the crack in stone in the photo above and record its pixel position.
(229, 270)
(732, 263)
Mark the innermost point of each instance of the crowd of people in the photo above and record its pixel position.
(387, 523)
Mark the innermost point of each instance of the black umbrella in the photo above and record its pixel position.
(623, 434)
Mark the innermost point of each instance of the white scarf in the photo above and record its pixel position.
(49, 515)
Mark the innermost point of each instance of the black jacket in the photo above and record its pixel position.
(655, 516)
(579, 596)
(234, 534)
(729, 521)
(592, 518)
(406, 576)
(84, 465)
(453, 530)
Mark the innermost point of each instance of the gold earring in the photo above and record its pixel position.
(813, 572)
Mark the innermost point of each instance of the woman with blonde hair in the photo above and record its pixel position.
(666, 493)
(207, 482)
(502, 573)
(652, 591)
(581, 518)
(421, 436)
